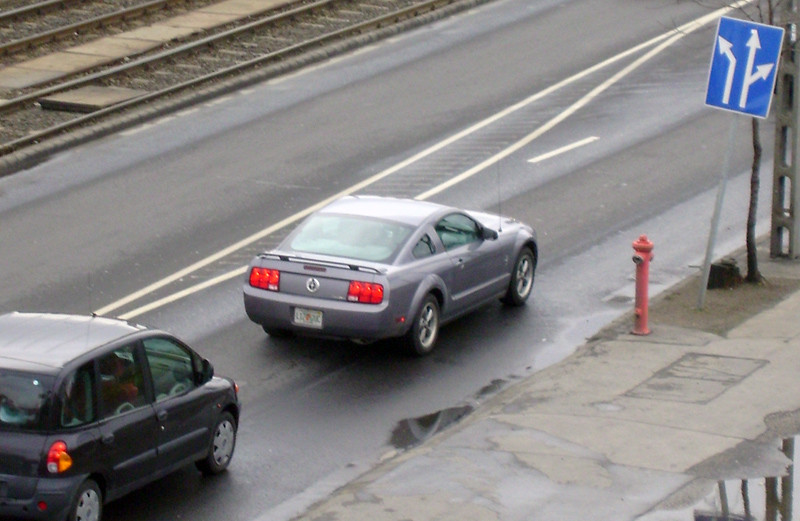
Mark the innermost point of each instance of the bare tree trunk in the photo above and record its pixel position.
(753, 275)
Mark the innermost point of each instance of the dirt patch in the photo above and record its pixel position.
(723, 309)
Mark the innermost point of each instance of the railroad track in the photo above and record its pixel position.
(242, 51)
(37, 28)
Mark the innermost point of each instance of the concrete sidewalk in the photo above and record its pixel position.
(610, 432)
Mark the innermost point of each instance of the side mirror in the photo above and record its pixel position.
(207, 372)
(488, 234)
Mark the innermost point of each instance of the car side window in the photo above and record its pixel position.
(78, 398)
(456, 230)
(424, 247)
(172, 367)
(121, 382)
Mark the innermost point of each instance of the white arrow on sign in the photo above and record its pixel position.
(726, 49)
(761, 72)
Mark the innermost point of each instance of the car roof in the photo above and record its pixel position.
(407, 211)
(48, 340)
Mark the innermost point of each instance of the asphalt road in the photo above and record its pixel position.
(551, 111)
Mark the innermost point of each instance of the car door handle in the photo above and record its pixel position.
(107, 439)
(162, 415)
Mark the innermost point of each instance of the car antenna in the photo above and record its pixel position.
(90, 292)
(499, 199)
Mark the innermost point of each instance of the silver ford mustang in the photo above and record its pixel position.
(366, 268)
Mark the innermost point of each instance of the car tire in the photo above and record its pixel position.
(424, 331)
(87, 505)
(521, 283)
(221, 446)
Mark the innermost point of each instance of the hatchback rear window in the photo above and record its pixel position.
(22, 400)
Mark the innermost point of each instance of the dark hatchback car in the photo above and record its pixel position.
(92, 408)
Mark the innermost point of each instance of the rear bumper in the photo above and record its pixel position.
(339, 319)
(54, 494)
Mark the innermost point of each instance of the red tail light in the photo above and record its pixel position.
(265, 278)
(365, 292)
(58, 459)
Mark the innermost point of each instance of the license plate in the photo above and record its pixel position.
(308, 318)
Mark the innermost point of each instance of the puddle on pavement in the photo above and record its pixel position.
(769, 498)
(413, 431)
(492, 388)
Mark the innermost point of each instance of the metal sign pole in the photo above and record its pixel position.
(712, 235)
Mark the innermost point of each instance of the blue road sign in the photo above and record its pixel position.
(744, 66)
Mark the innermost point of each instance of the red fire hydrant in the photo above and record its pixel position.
(643, 254)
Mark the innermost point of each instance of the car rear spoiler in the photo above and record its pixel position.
(318, 264)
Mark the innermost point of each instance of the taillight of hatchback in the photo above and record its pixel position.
(58, 459)
(265, 278)
(365, 292)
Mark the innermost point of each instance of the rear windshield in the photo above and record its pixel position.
(353, 237)
(22, 400)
